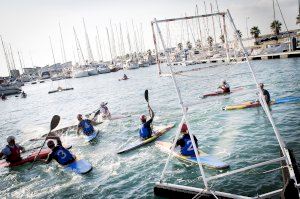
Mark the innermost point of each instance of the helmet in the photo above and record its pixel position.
(50, 144)
(103, 104)
(79, 116)
(184, 128)
(10, 138)
(261, 85)
(143, 118)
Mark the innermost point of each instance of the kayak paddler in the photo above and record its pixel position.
(104, 112)
(24, 95)
(12, 151)
(125, 77)
(86, 125)
(145, 129)
(265, 93)
(225, 87)
(185, 142)
(59, 153)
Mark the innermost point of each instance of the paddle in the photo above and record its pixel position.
(54, 122)
(97, 113)
(147, 99)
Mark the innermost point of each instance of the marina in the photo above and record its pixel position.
(205, 112)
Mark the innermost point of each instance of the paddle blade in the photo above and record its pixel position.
(97, 113)
(146, 96)
(54, 122)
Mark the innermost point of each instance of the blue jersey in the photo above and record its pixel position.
(145, 130)
(86, 126)
(186, 146)
(61, 155)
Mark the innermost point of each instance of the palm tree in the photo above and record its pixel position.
(179, 46)
(222, 38)
(210, 41)
(189, 45)
(255, 32)
(276, 27)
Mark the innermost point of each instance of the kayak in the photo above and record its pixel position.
(30, 158)
(207, 160)
(99, 118)
(93, 136)
(79, 167)
(252, 104)
(60, 90)
(123, 79)
(217, 93)
(138, 143)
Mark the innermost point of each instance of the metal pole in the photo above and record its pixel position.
(267, 111)
(226, 39)
(62, 45)
(183, 109)
(156, 50)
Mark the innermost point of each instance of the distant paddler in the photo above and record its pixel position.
(104, 111)
(23, 94)
(86, 125)
(3, 96)
(265, 93)
(59, 153)
(185, 142)
(12, 151)
(124, 77)
(145, 129)
(224, 86)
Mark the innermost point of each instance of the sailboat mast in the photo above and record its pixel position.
(88, 45)
(64, 59)
(79, 50)
(22, 70)
(213, 22)
(199, 26)
(135, 38)
(220, 17)
(128, 39)
(111, 56)
(6, 56)
(99, 44)
(12, 58)
(113, 45)
(52, 50)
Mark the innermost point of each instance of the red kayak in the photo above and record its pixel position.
(217, 93)
(43, 155)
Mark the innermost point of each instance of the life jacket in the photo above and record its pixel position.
(62, 155)
(87, 127)
(15, 155)
(145, 132)
(188, 148)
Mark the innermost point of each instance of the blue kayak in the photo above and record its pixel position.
(79, 167)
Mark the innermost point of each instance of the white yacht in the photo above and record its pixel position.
(103, 69)
(80, 73)
(92, 71)
(130, 64)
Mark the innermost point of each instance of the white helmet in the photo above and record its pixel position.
(103, 104)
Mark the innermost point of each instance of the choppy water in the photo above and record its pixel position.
(239, 138)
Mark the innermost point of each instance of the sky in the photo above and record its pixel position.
(28, 24)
